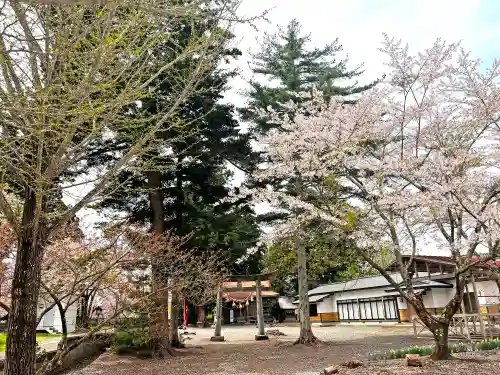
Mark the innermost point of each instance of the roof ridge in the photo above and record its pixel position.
(357, 278)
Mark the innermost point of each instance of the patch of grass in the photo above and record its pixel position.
(40, 337)
(488, 344)
(103, 327)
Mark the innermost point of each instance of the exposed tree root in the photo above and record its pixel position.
(309, 339)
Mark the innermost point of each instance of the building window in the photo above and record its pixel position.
(313, 310)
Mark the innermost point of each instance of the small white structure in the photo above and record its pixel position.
(51, 321)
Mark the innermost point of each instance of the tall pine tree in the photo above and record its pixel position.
(288, 66)
(284, 67)
(184, 179)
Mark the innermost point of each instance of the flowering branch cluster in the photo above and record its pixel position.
(418, 159)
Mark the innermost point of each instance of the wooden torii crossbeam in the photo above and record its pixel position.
(239, 283)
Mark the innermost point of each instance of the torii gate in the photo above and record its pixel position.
(239, 283)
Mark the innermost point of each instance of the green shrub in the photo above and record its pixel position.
(488, 344)
(461, 347)
(130, 341)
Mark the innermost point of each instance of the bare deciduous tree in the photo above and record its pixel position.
(67, 75)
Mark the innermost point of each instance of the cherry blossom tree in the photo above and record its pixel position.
(418, 156)
(122, 291)
(74, 267)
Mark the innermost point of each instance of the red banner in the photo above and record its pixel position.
(185, 312)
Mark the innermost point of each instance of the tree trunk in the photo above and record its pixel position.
(441, 350)
(21, 329)
(64, 322)
(174, 321)
(439, 329)
(179, 230)
(159, 328)
(83, 311)
(306, 335)
(90, 307)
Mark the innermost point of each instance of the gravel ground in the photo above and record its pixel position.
(478, 363)
(243, 356)
(280, 360)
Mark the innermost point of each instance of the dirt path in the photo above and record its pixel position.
(47, 345)
(256, 358)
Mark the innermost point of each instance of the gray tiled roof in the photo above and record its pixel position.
(372, 282)
(423, 284)
(315, 298)
(359, 283)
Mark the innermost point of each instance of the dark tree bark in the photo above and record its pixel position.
(90, 307)
(21, 329)
(439, 327)
(174, 321)
(64, 323)
(84, 311)
(160, 323)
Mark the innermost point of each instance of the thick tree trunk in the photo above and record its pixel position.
(90, 307)
(306, 335)
(159, 328)
(439, 329)
(21, 329)
(83, 311)
(174, 321)
(179, 230)
(441, 350)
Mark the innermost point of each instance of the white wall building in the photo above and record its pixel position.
(51, 321)
(374, 299)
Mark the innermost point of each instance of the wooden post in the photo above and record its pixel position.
(428, 270)
(218, 318)
(479, 313)
(261, 334)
